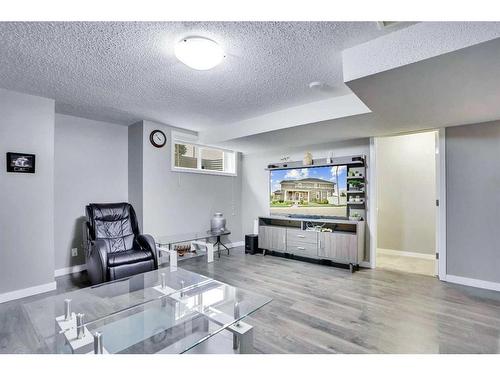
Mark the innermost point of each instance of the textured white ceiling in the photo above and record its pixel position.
(456, 88)
(418, 42)
(125, 72)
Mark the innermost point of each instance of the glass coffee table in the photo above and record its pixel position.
(169, 310)
(200, 239)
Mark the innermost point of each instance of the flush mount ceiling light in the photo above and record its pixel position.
(316, 85)
(199, 53)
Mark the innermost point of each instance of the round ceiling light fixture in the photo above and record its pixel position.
(317, 85)
(199, 53)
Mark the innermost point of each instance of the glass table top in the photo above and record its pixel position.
(176, 322)
(169, 310)
(186, 237)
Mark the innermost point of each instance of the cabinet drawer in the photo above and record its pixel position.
(305, 250)
(301, 236)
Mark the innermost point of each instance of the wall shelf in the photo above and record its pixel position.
(351, 161)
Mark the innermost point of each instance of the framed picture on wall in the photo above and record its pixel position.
(20, 162)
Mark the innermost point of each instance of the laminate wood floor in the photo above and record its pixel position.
(406, 264)
(320, 309)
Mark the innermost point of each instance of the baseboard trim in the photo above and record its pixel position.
(483, 284)
(410, 254)
(70, 270)
(83, 267)
(31, 291)
(236, 244)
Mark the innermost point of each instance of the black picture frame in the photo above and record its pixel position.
(20, 162)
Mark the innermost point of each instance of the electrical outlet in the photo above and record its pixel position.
(74, 252)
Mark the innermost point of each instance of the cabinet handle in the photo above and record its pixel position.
(301, 236)
(301, 248)
(319, 243)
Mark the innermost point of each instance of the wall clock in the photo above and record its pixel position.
(158, 138)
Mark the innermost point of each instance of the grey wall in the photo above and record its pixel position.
(255, 184)
(26, 200)
(177, 202)
(91, 165)
(135, 162)
(473, 201)
(406, 176)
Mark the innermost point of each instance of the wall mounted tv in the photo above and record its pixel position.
(309, 191)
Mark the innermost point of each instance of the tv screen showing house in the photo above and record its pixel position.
(309, 191)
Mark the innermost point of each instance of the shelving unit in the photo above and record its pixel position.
(356, 175)
(355, 165)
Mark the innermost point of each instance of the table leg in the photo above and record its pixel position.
(242, 337)
(245, 342)
(210, 252)
(173, 257)
(218, 245)
(225, 247)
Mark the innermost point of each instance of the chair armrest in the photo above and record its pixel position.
(97, 261)
(147, 242)
(86, 238)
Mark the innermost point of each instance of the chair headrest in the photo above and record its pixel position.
(109, 211)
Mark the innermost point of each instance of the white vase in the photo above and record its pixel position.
(308, 159)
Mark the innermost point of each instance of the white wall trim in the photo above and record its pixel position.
(410, 254)
(83, 267)
(441, 210)
(441, 195)
(21, 293)
(235, 244)
(372, 201)
(490, 285)
(70, 270)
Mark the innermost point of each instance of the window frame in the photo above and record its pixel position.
(198, 148)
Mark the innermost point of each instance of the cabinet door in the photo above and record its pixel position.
(338, 247)
(272, 238)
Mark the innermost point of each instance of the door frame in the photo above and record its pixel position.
(440, 196)
(441, 208)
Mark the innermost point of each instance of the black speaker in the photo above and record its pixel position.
(251, 244)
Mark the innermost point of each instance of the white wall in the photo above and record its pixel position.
(406, 176)
(176, 202)
(26, 200)
(255, 184)
(91, 166)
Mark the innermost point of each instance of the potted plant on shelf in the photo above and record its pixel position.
(356, 185)
(355, 217)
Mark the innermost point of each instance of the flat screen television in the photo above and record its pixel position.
(309, 191)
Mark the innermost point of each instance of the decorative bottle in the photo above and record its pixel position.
(218, 222)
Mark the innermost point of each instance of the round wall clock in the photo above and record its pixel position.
(158, 138)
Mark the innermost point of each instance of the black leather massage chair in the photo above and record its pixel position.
(114, 247)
